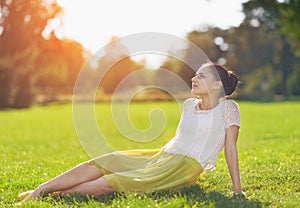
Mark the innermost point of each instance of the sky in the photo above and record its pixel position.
(94, 22)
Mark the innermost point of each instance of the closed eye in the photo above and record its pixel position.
(200, 75)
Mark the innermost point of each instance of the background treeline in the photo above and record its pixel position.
(36, 65)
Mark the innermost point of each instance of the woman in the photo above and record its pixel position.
(206, 126)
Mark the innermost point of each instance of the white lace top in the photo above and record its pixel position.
(201, 133)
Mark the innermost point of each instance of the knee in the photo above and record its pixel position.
(84, 165)
(92, 164)
(90, 169)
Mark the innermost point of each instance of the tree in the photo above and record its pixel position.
(33, 60)
(286, 15)
(276, 17)
(118, 65)
(259, 50)
(57, 66)
(21, 25)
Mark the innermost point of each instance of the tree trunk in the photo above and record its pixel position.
(287, 63)
(5, 89)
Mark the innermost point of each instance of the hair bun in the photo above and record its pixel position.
(229, 78)
(232, 83)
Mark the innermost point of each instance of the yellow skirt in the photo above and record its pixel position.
(147, 170)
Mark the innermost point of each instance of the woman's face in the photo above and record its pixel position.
(204, 82)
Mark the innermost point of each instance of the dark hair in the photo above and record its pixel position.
(228, 78)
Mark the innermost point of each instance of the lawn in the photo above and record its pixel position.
(40, 142)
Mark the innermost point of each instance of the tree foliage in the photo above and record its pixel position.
(262, 50)
(33, 60)
(289, 20)
(274, 15)
(116, 65)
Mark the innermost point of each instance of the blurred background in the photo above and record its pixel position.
(43, 47)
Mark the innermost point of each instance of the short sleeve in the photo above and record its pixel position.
(189, 102)
(232, 114)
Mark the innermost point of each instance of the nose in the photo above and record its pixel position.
(193, 79)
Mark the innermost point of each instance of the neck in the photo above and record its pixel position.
(209, 102)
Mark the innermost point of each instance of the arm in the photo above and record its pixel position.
(231, 155)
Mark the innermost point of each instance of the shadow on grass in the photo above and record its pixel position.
(195, 193)
(76, 199)
(192, 195)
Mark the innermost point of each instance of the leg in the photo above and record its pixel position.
(96, 187)
(80, 174)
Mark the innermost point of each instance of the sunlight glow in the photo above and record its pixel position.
(94, 22)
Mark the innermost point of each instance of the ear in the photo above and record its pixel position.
(218, 85)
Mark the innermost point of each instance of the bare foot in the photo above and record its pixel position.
(36, 193)
(31, 194)
(23, 196)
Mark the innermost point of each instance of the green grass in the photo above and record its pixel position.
(37, 144)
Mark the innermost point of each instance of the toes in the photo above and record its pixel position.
(25, 195)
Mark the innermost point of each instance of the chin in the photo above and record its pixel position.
(198, 93)
(194, 92)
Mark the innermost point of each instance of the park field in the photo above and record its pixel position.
(38, 143)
